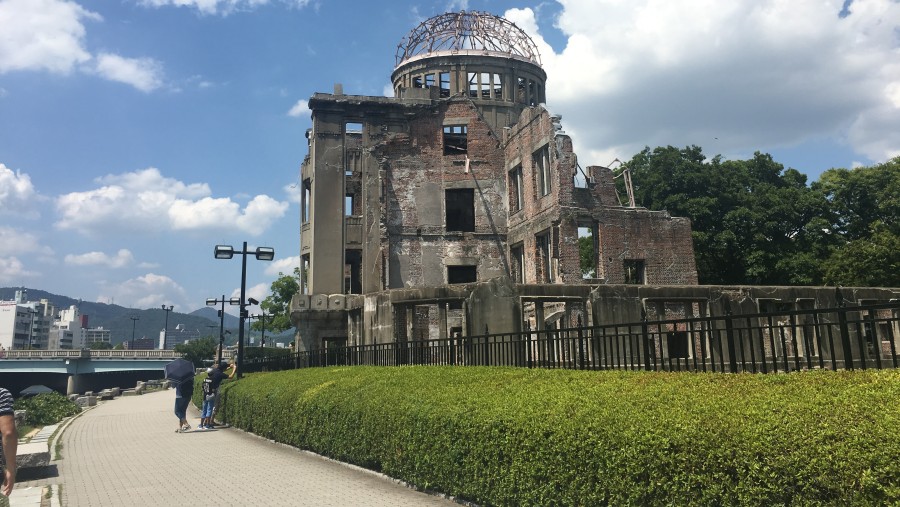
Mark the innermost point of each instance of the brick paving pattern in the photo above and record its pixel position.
(126, 452)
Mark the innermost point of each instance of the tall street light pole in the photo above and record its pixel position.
(134, 320)
(214, 302)
(261, 318)
(262, 253)
(166, 328)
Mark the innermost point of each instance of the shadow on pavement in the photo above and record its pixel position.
(35, 473)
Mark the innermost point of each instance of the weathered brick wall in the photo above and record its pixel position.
(417, 174)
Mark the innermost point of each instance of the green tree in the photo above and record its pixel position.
(865, 204)
(100, 346)
(752, 221)
(277, 306)
(586, 255)
(198, 351)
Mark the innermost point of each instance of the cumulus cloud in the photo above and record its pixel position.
(223, 7)
(146, 201)
(49, 35)
(301, 108)
(754, 74)
(13, 272)
(147, 291)
(122, 258)
(284, 265)
(17, 194)
(18, 242)
(145, 74)
(43, 35)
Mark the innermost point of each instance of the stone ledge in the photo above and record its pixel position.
(33, 455)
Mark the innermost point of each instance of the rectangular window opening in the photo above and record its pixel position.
(485, 85)
(462, 274)
(587, 253)
(460, 209)
(455, 140)
(417, 82)
(516, 186)
(429, 80)
(473, 85)
(445, 84)
(541, 162)
(348, 205)
(520, 91)
(634, 271)
(498, 87)
(517, 255)
(545, 273)
(307, 194)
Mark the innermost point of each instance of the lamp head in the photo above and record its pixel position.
(264, 253)
(224, 251)
(211, 302)
(234, 301)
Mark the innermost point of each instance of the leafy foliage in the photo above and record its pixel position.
(755, 222)
(198, 351)
(278, 304)
(46, 408)
(507, 436)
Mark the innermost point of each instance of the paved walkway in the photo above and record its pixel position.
(126, 452)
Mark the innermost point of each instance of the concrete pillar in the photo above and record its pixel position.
(73, 385)
(442, 319)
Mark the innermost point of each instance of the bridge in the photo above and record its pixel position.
(80, 370)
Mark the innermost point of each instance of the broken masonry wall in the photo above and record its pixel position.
(663, 242)
(417, 243)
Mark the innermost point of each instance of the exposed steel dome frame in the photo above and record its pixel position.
(463, 31)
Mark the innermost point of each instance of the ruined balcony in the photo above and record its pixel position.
(353, 226)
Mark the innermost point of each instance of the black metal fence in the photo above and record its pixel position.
(834, 338)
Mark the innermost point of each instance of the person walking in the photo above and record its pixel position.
(211, 392)
(9, 437)
(184, 390)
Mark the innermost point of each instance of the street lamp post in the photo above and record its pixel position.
(166, 328)
(214, 302)
(262, 253)
(261, 317)
(134, 319)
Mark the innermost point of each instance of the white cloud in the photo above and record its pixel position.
(13, 272)
(294, 192)
(146, 201)
(17, 194)
(122, 258)
(754, 74)
(147, 291)
(17, 242)
(284, 265)
(223, 7)
(3, 92)
(388, 90)
(145, 74)
(301, 108)
(43, 35)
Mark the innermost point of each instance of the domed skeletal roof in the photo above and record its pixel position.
(467, 32)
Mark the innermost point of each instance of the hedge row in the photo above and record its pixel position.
(506, 436)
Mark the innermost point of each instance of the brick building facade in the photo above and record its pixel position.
(462, 178)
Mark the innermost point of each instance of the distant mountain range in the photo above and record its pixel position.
(150, 322)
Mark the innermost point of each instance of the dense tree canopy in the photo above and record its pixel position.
(755, 222)
(278, 304)
(198, 351)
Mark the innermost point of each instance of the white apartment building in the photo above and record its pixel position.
(25, 325)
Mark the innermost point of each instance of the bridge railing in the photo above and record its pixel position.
(91, 354)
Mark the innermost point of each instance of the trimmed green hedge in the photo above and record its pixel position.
(507, 436)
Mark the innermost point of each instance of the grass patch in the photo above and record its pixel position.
(509, 436)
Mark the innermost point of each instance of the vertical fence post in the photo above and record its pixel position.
(845, 330)
(580, 344)
(645, 338)
(729, 337)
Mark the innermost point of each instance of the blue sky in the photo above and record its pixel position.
(137, 134)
